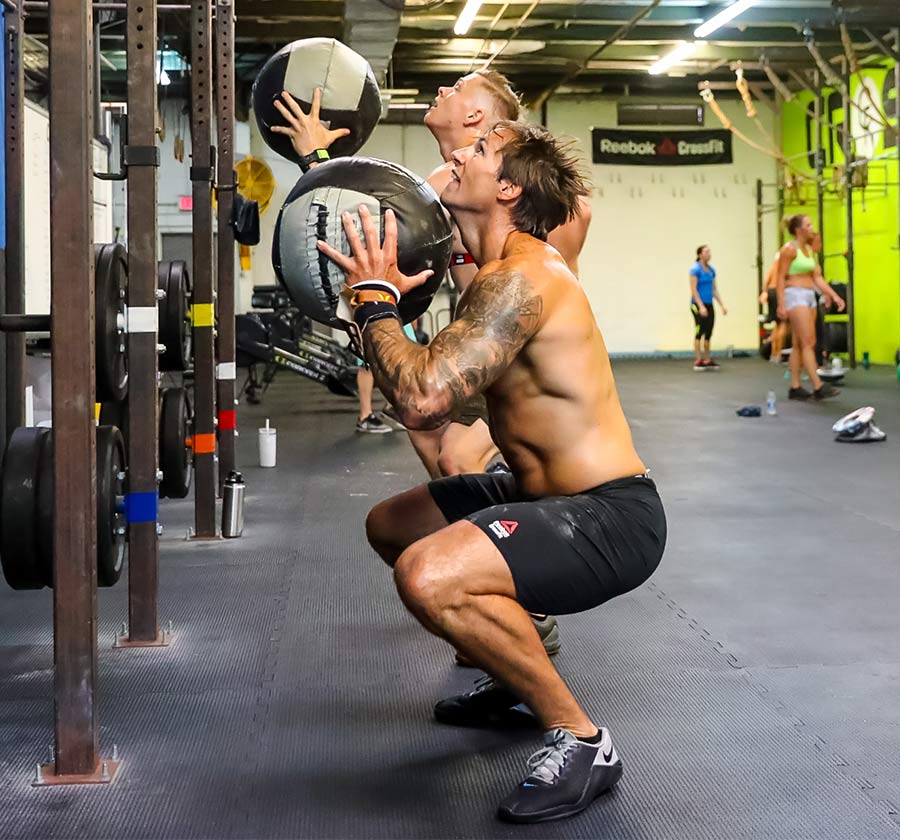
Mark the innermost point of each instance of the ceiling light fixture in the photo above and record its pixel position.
(409, 106)
(467, 16)
(682, 51)
(727, 14)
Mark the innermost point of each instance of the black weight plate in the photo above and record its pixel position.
(111, 530)
(162, 303)
(116, 414)
(836, 336)
(343, 385)
(18, 509)
(45, 505)
(174, 455)
(111, 273)
(175, 315)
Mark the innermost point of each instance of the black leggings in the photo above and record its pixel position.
(704, 325)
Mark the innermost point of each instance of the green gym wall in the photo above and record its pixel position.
(875, 209)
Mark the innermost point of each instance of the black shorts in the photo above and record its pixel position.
(704, 326)
(772, 300)
(566, 553)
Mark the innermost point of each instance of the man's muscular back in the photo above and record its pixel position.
(555, 412)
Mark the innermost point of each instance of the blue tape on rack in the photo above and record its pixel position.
(141, 507)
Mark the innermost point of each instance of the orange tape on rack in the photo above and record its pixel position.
(227, 420)
(204, 444)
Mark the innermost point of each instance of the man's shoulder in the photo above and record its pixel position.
(534, 267)
(441, 176)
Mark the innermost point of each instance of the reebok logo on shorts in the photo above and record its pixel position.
(503, 528)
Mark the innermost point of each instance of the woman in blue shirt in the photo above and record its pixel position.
(703, 291)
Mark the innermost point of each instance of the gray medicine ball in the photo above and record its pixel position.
(313, 210)
(350, 95)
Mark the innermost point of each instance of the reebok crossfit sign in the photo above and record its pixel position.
(661, 148)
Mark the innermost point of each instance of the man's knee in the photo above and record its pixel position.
(425, 583)
(382, 532)
(448, 462)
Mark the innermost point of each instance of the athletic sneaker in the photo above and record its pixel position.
(484, 705)
(798, 394)
(548, 629)
(824, 392)
(391, 413)
(373, 426)
(699, 364)
(566, 776)
(712, 364)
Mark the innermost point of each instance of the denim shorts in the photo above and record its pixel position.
(795, 296)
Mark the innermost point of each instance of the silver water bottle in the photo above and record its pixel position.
(233, 505)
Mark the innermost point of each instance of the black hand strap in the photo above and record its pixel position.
(318, 156)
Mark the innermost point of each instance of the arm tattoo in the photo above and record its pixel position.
(427, 384)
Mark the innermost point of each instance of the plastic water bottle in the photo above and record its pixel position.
(771, 410)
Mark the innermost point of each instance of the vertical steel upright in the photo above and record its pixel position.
(72, 336)
(847, 148)
(14, 296)
(142, 161)
(225, 350)
(760, 273)
(203, 309)
(820, 167)
(896, 129)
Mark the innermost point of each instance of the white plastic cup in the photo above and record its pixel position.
(836, 363)
(268, 439)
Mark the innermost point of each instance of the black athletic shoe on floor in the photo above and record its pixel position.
(373, 426)
(485, 705)
(798, 394)
(566, 776)
(824, 392)
(712, 364)
(548, 629)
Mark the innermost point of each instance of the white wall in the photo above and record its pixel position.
(174, 179)
(647, 224)
(37, 206)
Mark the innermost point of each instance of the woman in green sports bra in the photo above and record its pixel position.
(799, 275)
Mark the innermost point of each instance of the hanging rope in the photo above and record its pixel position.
(744, 90)
(786, 93)
(853, 65)
(771, 151)
(749, 105)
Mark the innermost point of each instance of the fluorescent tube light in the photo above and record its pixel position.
(682, 51)
(727, 14)
(466, 16)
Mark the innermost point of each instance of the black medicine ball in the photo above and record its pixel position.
(313, 210)
(350, 95)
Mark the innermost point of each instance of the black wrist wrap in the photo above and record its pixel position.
(376, 310)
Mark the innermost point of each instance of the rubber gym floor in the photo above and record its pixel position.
(751, 685)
